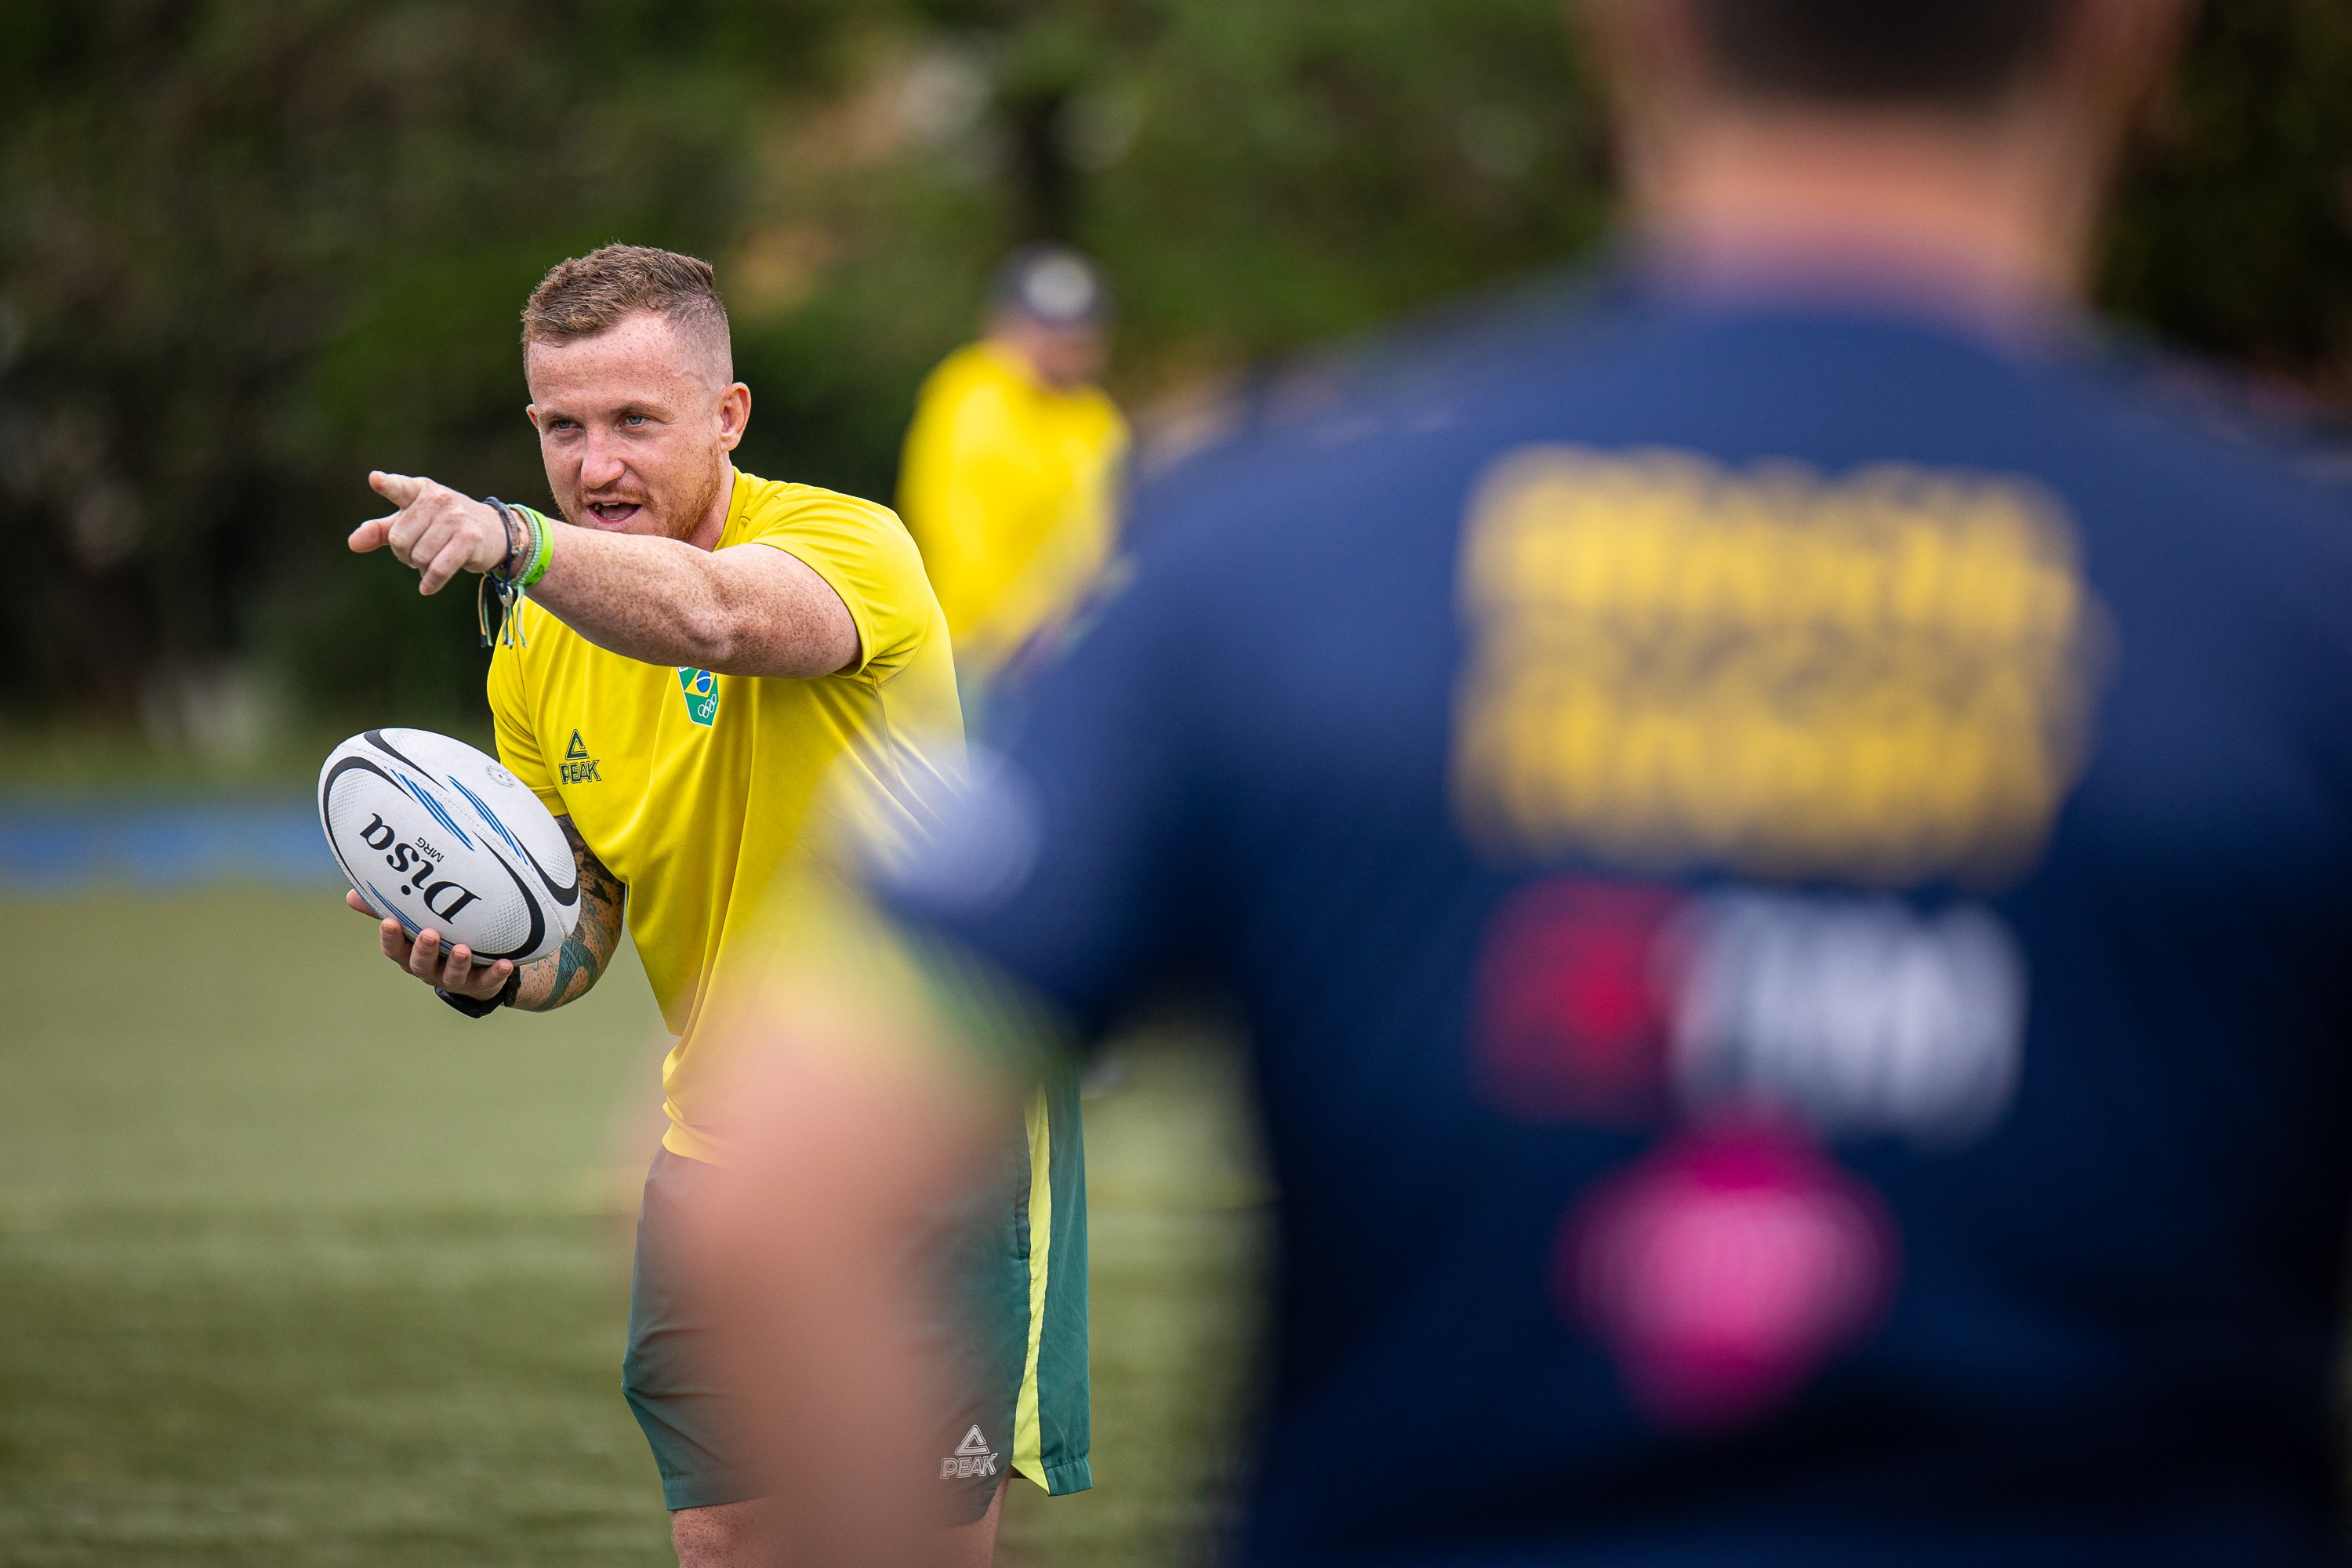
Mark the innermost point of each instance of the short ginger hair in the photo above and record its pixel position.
(589, 294)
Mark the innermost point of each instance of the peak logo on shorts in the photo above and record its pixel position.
(701, 690)
(578, 767)
(972, 1458)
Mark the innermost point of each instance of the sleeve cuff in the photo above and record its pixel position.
(849, 601)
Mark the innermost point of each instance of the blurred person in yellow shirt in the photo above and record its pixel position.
(1013, 460)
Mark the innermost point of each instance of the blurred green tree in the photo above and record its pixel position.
(2234, 233)
(250, 248)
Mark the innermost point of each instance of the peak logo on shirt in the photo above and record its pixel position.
(578, 767)
(701, 690)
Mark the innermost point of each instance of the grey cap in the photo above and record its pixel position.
(1054, 285)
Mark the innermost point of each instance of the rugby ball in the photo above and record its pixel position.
(434, 834)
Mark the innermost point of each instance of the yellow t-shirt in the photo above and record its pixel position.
(693, 788)
(1007, 485)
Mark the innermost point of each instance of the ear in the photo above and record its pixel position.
(734, 416)
(2122, 49)
(2113, 69)
(530, 412)
(1651, 62)
(1643, 48)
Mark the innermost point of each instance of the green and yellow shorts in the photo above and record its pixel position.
(1017, 1334)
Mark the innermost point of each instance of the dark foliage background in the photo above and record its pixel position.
(250, 248)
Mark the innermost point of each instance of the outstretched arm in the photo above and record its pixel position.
(748, 610)
(564, 975)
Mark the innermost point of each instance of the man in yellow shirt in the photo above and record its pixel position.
(1013, 458)
(700, 650)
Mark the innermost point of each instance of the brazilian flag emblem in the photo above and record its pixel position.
(701, 690)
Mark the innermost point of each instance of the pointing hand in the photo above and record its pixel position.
(436, 531)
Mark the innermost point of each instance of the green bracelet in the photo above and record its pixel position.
(542, 533)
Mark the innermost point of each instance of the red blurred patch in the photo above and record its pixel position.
(1570, 1002)
(1723, 1269)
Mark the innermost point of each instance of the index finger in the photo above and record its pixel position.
(400, 490)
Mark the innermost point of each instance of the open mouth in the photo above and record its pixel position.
(612, 514)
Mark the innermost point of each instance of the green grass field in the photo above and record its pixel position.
(297, 1266)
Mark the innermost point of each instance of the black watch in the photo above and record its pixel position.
(483, 1007)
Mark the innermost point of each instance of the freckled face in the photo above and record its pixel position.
(634, 426)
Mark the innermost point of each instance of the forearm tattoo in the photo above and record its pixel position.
(565, 974)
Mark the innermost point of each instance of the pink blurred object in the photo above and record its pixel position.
(1725, 1268)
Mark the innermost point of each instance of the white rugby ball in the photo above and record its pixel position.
(432, 833)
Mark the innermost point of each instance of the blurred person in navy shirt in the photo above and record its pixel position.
(1781, 825)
